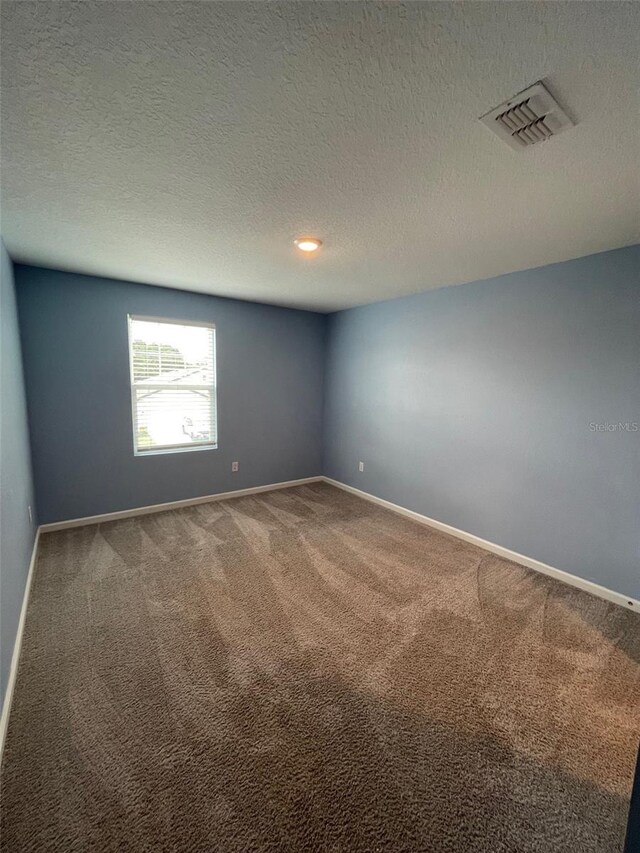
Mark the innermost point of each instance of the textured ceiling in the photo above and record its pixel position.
(187, 144)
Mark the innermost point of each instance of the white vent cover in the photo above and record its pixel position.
(529, 117)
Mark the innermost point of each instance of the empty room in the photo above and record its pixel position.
(320, 427)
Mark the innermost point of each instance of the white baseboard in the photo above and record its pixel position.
(506, 553)
(513, 556)
(146, 510)
(17, 645)
(536, 565)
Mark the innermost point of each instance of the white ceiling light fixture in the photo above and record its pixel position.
(308, 244)
(529, 117)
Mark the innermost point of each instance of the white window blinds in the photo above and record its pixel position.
(173, 384)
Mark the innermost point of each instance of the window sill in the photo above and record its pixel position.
(162, 451)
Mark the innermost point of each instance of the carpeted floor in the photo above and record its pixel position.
(304, 671)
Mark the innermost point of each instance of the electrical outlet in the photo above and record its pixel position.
(235, 466)
(360, 466)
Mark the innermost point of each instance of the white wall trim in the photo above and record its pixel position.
(529, 562)
(17, 645)
(499, 550)
(146, 510)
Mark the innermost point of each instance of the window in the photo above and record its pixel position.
(173, 385)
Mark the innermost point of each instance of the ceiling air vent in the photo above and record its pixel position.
(530, 117)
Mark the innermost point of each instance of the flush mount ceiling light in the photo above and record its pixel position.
(308, 244)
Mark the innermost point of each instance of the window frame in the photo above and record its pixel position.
(133, 386)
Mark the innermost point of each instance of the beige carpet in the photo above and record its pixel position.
(303, 671)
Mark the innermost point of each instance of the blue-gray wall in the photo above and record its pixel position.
(483, 406)
(17, 532)
(479, 406)
(74, 332)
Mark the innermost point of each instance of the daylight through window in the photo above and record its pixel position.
(173, 385)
